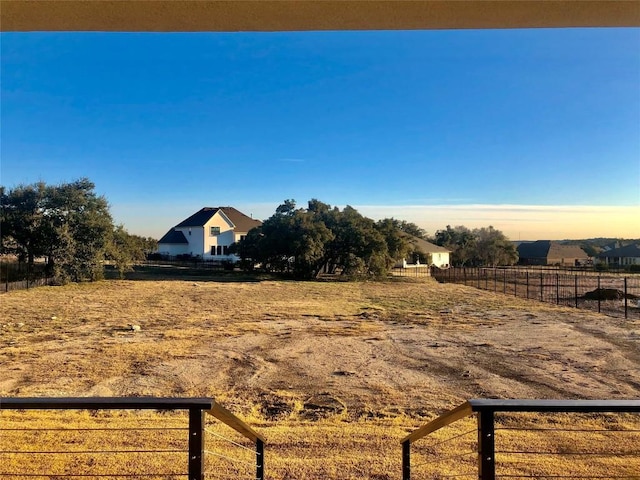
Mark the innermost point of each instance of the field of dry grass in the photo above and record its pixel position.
(334, 374)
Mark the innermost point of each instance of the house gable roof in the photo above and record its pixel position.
(173, 236)
(242, 222)
(424, 246)
(632, 250)
(537, 249)
(198, 219)
(549, 249)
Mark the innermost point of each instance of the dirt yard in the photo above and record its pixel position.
(278, 351)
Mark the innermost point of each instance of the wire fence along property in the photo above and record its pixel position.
(150, 438)
(26, 284)
(522, 439)
(417, 271)
(614, 295)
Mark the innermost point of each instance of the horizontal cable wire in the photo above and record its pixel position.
(230, 459)
(459, 475)
(59, 452)
(604, 430)
(228, 440)
(593, 454)
(457, 455)
(455, 475)
(592, 477)
(118, 475)
(475, 430)
(438, 460)
(87, 429)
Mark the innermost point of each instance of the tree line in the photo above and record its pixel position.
(305, 242)
(485, 246)
(68, 225)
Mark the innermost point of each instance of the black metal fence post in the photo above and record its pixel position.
(576, 290)
(486, 446)
(504, 281)
(196, 444)
(557, 289)
(626, 301)
(259, 459)
(406, 460)
(599, 299)
(527, 284)
(541, 287)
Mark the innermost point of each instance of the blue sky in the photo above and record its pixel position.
(509, 127)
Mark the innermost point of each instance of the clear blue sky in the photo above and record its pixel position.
(165, 124)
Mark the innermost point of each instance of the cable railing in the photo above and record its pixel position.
(140, 437)
(522, 439)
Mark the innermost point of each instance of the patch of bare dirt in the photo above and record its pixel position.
(310, 349)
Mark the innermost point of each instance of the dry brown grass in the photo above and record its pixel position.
(334, 374)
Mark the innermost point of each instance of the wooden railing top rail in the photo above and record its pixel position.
(234, 422)
(461, 411)
(208, 405)
(497, 405)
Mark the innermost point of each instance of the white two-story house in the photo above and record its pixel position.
(207, 234)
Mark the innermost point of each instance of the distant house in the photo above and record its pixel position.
(621, 257)
(207, 234)
(547, 252)
(438, 256)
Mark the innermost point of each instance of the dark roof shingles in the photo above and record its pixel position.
(628, 251)
(242, 222)
(549, 249)
(199, 218)
(173, 236)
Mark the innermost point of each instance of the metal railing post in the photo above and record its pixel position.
(576, 290)
(486, 446)
(406, 460)
(196, 444)
(599, 294)
(259, 459)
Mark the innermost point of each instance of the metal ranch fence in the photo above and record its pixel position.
(106, 445)
(26, 284)
(614, 295)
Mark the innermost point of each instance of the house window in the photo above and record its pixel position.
(219, 249)
(213, 250)
(213, 231)
(242, 237)
(225, 250)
